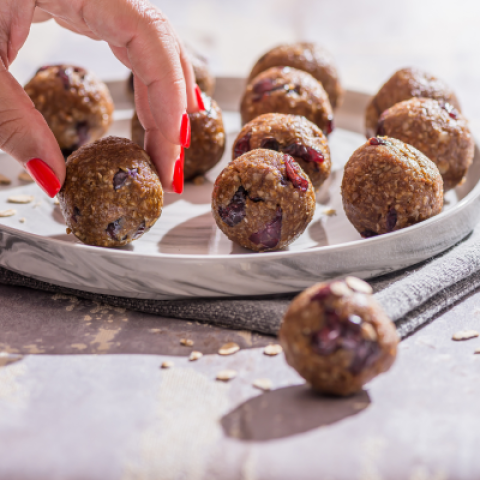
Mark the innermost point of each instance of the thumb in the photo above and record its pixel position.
(25, 135)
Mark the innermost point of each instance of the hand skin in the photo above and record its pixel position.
(140, 36)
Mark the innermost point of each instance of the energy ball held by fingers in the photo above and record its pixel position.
(310, 58)
(403, 85)
(263, 200)
(438, 130)
(76, 105)
(287, 90)
(388, 185)
(112, 194)
(290, 134)
(337, 337)
(207, 141)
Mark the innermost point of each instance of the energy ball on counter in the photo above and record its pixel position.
(310, 58)
(290, 134)
(203, 77)
(337, 337)
(207, 141)
(75, 103)
(435, 128)
(388, 185)
(403, 85)
(112, 194)
(263, 200)
(287, 90)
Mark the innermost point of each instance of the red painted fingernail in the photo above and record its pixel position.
(177, 184)
(198, 94)
(44, 176)
(185, 133)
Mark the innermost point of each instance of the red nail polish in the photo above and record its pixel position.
(44, 176)
(177, 184)
(185, 133)
(198, 94)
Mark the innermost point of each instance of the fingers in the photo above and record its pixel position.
(166, 156)
(192, 102)
(40, 16)
(25, 135)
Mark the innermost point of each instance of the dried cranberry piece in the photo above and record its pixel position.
(450, 109)
(263, 87)
(242, 146)
(270, 235)
(377, 141)
(270, 143)
(365, 355)
(293, 174)
(391, 219)
(76, 214)
(308, 154)
(114, 228)
(83, 133)
(140, 231)
(235, 212)
(64, 77)
(368, 233)
(121, 177)
(322, 294)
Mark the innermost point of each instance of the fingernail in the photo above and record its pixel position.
(198, 94)
(44, 176)
(185, 133)
(177, 184)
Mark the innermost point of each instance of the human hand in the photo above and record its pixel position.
(142, 38)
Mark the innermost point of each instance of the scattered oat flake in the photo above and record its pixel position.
(263, 384)
(7, 213)
(23, 220)
(340, 289)
(200, 180)
(477, 351)
(4, 180)
(56, 201)
(229, 348)
(186, 342)
(330, 212)
(226, 375)
(358, 285)
(167, 364)
(465, 335)
(195, 356)
(25, 177)
(272, 349)
(21, 199)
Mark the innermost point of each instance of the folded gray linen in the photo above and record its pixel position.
(411, 297)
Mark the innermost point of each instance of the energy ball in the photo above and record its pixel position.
(310, 58)
(112, 194)
(263, 200)
(438, 130)
(388, 185)
(287, 90)
(403, 85)
(75, 103)
(290, 134)
(207, 141)
(203, 77)
(337, 337)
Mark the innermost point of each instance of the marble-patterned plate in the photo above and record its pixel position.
(186, 255)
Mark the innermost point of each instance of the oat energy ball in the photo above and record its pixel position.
(112, 194)
(438, 130)
(403, 85)
(287, 90)
(310, 58)
(207, 142)
(337, 337)
(75, 103)
(263, 200)
(388, 185)
(291, 134)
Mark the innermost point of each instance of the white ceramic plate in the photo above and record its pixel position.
(186, 255)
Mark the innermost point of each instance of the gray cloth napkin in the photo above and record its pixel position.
(411, 297)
